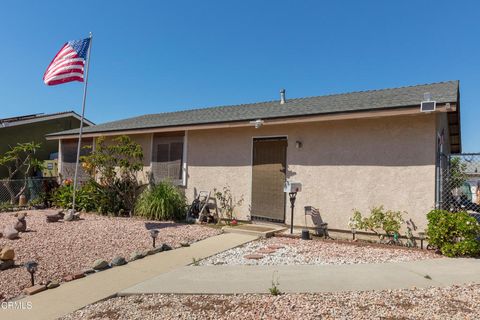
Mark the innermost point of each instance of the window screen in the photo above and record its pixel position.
(167, 158)
(69, 156)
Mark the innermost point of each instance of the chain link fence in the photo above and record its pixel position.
(460, 182)
(34, 189)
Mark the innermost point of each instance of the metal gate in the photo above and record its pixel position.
(458, 182)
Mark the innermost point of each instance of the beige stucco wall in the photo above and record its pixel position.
(145, 140)
(343, 165)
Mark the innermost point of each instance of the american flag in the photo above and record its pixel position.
(68, 64)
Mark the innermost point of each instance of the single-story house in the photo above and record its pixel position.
(349, 151)
(34, 127)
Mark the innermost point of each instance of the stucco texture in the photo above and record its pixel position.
(343, 165)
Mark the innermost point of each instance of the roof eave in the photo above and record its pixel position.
(354, 114)
(48, 118)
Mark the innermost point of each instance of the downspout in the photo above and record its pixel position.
(185, 159)
(438, 172)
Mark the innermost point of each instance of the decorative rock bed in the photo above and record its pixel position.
(455, 302)
(67, 248)
(292, 251)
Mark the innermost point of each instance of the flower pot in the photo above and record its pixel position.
(305, 234)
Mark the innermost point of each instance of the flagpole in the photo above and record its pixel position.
(81, 124)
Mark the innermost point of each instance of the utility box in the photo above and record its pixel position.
(50, 168)
(292, 187)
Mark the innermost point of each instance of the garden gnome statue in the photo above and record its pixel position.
(21, 224)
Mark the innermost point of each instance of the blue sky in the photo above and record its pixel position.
(156, 56)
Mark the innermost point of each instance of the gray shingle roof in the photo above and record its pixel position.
(441, 92)
(31, 118)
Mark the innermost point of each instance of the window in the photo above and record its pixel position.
(167, 158)
(69, 156)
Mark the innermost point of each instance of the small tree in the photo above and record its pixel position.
(380, 219)
(20, 162)
(116, 166)
(458, 175)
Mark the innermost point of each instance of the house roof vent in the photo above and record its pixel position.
(427, 104)
(282, 96)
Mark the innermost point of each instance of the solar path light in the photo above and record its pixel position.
(154, 235)
(421, 235)
(32, 267)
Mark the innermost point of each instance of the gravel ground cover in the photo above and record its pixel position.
(65, 248)
(291, 251)
(455, 302)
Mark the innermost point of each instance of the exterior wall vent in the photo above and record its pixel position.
(427, 104)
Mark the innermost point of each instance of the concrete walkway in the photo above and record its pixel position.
(309, 278)
(74, 295)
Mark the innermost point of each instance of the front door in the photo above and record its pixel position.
(268, 179)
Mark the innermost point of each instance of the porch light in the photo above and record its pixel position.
(257, 123)
(154, 235)
(31, 267)
(298, 144)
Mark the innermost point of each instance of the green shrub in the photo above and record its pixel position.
(38, 201)
(101, 199)
(91, 196)
(161, 202)
(63, 197)
(115, 166)
(380, 219)
(454, 234)
(6, 206)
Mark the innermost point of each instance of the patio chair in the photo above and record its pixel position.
(321, 228)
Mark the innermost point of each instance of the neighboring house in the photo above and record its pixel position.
(349, 151)
(34, 127)
(473, 182)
